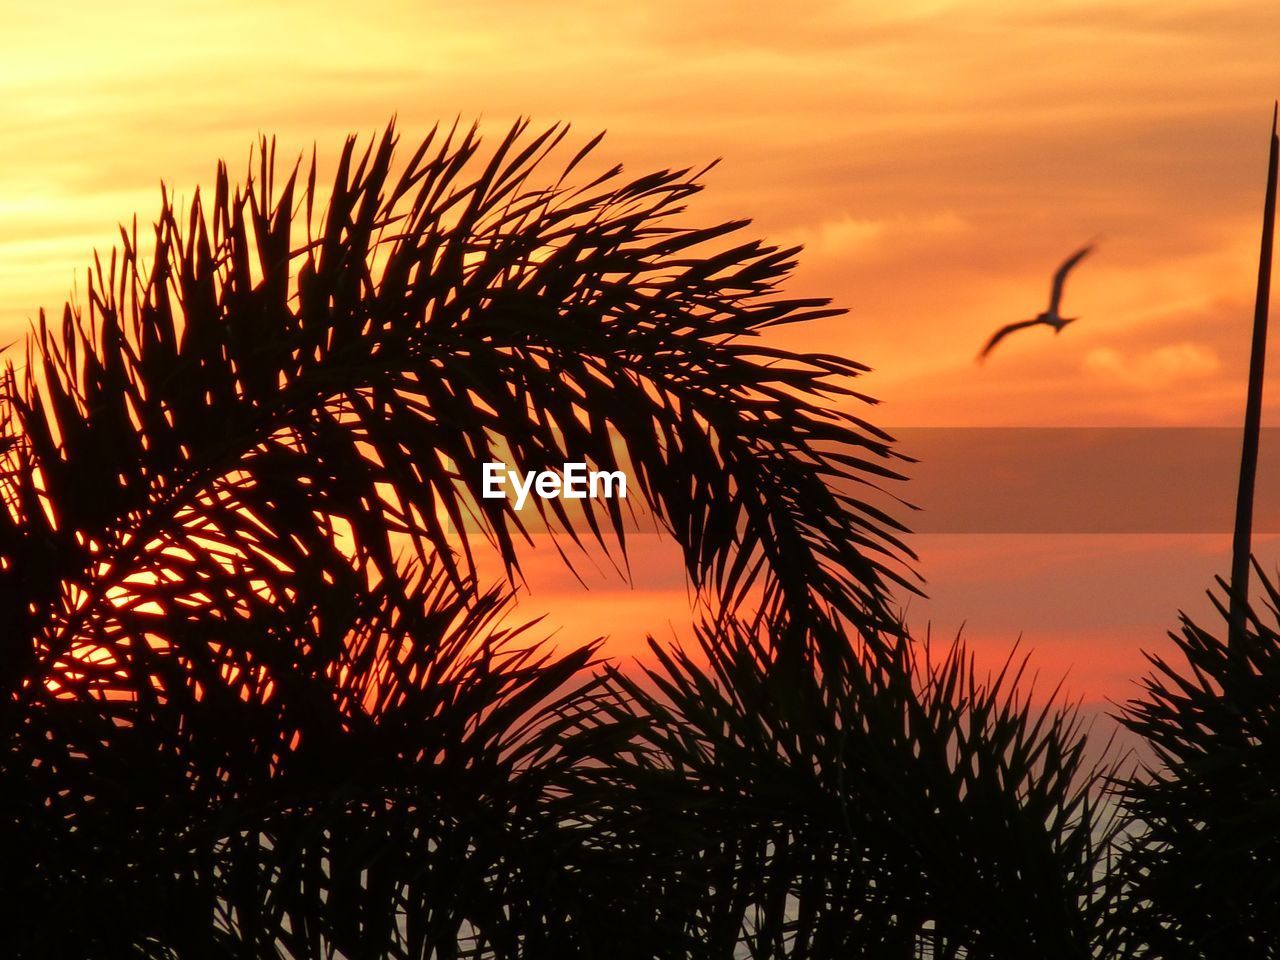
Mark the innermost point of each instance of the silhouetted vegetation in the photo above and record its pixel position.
(258, 702)
(906, 808)
(1204, 871)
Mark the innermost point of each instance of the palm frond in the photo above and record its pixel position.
(912, 809)
(392, 795)
(1203, 865)
(374, 356)
(254, 702)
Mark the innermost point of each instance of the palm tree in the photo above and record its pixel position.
(1200, 871)
(258, 702)
(232, 730)
(911, 808)
(1202, 867)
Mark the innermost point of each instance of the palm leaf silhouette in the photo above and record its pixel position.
(1200, 871)
(230, 728)
(908, 809)
(1202, 868)
(208, 819)
(433, 313)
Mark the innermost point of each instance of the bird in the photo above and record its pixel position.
(1051, 317)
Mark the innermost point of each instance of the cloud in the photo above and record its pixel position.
(851, 235)
(1153, 369)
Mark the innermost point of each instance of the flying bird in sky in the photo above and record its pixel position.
(1051, 317)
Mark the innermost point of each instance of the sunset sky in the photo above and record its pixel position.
(936, 162)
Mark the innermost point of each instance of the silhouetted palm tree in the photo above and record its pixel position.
(257, 704)
(1203, 865)
(228, 730)
(908, 809)
(1200, 871)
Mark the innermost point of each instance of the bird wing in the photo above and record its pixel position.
(1004, 332)
(1059, 278)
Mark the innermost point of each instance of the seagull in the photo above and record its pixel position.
(1050, 317)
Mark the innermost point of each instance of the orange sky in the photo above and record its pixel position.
(936, 160)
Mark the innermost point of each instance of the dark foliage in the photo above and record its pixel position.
(1204, 868)
(434, 316)
(381, 786)
(254, 704)
(231, 728)
(908, 809)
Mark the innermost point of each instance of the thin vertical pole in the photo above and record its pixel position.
(1241, 550)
